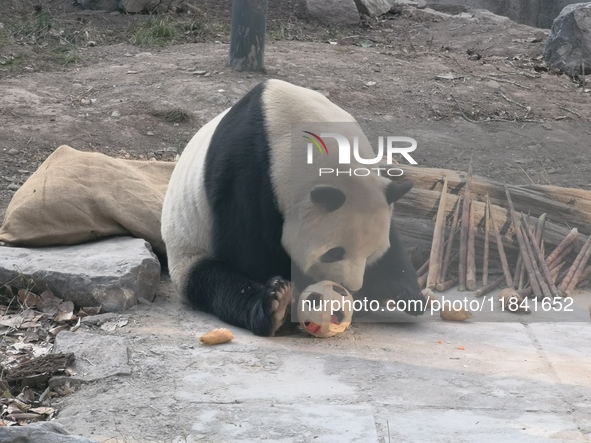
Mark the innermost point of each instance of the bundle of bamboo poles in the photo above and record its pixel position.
(533, 273)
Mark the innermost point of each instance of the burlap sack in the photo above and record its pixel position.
(75, 197)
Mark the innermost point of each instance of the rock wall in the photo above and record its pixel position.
(539, 13)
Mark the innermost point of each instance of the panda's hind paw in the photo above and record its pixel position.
(279, 292)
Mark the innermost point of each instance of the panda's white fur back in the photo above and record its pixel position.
(187, 233)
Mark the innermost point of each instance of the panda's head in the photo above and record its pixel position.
(337, 229)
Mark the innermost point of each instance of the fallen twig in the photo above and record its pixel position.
(462, 111)
(508, 81)
(527, 108)
(564, 108)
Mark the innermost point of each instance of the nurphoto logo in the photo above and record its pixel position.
(391, 147)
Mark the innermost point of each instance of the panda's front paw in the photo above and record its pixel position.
(409, 295)
(278, 294)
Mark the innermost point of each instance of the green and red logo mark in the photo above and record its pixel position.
(317, 140)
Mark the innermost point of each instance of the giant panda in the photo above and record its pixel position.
(238, 227)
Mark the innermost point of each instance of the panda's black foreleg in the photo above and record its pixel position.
(393, 277)
(214, 288)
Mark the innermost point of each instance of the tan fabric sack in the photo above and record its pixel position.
(75, 197)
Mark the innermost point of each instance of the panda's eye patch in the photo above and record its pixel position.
(333, 255)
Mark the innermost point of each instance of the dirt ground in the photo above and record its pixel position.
(462, 85)
(409, 73)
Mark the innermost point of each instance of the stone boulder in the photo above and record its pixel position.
(333, 12)
(569, 43)
(374, 8)
(111, 273)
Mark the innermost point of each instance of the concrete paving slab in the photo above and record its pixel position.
(321, 423)
(512, 382)
(96, 356)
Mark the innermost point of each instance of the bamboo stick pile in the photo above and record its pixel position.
(528, 272)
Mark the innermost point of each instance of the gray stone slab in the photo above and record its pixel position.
(110, 273)
(44, 432)
(97, 356)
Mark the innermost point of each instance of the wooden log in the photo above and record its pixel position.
(527, 260)
(438, 239)
(556, 270)
(556, 277)
(540, 226)
(560, 259)
(557, 265)
(569, 240)
(546, 293)
(450, 243)
(557, 202)
(490, 287)
(416, 211)
(486, 246)
(500, 248)
(471, 255)
(446, 285)
(573, 269)
(414, 217)
(517, 274)
(579, 272)
(539, 256)
(561, 277)
(423, 269)
(464, 233)
(442, 248)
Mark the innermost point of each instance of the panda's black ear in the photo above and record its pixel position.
(328, 197)
(394, 191)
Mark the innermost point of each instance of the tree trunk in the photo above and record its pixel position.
(247, 43)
